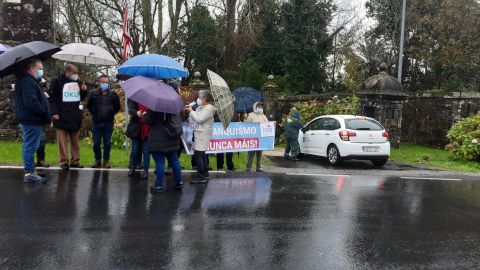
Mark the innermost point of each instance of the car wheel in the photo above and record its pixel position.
(333, 155)
(379, 162)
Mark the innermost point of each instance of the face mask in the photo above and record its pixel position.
(104, 86)
(39, 73)
(259, 110)
(74, 77)
(199, 102)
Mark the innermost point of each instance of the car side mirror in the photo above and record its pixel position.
(304, 130)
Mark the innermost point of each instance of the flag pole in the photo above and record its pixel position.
(402, 40)
(125, 47)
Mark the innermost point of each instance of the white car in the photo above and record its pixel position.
(342, 137)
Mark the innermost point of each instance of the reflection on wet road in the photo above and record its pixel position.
(98, 220)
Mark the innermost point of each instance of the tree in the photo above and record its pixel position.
(442, 44)
(267, 49)
(201, 43)
(306, 44)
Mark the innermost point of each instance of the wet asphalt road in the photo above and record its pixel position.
(103, 220)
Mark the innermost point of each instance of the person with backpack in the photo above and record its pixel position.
(164, 142)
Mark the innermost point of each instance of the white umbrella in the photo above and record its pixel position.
(85, 54)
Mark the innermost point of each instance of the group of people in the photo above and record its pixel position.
(153, 134)
(37, 106)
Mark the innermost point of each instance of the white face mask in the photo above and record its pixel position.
(74, 77)
(259, 110)
(199, 102)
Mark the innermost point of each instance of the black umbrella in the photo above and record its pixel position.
(15, 58)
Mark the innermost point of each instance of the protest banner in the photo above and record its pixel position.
(238, 137)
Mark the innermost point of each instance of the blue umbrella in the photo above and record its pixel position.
(245, 97)
(153, 66)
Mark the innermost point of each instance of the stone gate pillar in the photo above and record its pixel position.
(21, 21)
(26, 20)
(196, 83)
(269, 91)
(382, 97)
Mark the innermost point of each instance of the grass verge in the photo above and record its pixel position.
(432, 157)
(11, 154)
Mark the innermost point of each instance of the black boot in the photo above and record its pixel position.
(131, 171)
(143, 175)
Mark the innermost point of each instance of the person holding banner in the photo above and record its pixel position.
(66, 96)
(202, 120)
(257, 116)
(222, 156)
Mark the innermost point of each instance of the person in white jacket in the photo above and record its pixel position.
(202, 119)
(256, 116)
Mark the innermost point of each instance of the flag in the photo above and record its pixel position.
(126, 35)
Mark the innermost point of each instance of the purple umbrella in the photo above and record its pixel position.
(4, 48)
(153, 94)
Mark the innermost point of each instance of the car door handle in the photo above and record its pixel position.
(327, 133)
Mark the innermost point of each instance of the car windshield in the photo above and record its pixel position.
(363, 124)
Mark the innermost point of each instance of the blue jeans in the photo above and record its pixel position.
(160, 166)
(102, 131)
(137, 146)
(32, 134)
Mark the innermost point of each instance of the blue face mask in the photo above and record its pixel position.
(104, 86)
(39, 73)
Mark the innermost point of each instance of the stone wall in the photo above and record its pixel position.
(8, 126)
(281, 105)
(428, 117)
(26, 20)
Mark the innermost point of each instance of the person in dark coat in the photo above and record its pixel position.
(66, 95)
(32, 111)
(222, 156)
(174, 85)
(138, 131)
(103, 104)
(41, 149)
(164, 142)
(292, 128)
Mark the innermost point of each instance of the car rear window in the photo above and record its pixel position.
(363, 124)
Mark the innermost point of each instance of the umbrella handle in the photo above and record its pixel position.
(85, 70)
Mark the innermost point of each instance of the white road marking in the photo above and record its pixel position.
(431, 178)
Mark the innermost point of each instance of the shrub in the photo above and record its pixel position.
(118, 136)
(464, 138)
(335, 105)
